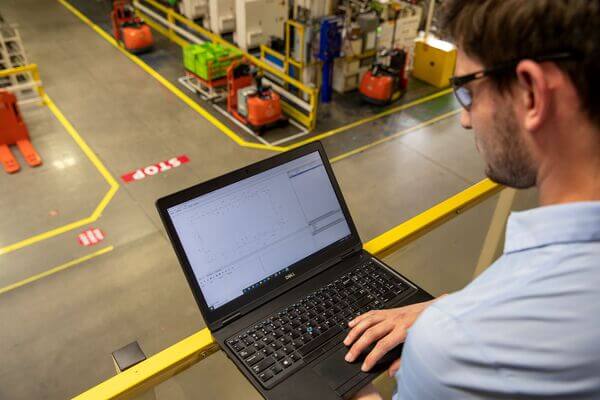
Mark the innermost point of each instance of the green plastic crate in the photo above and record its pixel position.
(209, 60)
(189, 57)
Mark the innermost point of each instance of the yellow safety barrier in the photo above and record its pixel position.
(197, 347)
(31, 68)
(299, 32)
(264, 50)
(309, 121)
(287, 59)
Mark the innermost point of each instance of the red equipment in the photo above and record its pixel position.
(129, 30)
(258, 106)
(13, 131)
(384, 84)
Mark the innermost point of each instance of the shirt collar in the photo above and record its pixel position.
(563, 223)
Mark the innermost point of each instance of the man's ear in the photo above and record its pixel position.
(533, 94)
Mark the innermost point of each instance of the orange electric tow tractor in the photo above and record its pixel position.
(384, 84)
(13, 131)
(130, 30)
(257, 106)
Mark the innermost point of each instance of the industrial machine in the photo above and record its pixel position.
(13, 131)
(330, 47)
(257, 21)
(194, 9)
(129, 30)
(222, 16)
(258, 107)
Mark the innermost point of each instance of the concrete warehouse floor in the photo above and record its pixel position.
(345, 111)
(59, 329)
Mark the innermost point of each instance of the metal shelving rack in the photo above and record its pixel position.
(12, 55)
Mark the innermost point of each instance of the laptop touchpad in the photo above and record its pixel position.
(335, 370)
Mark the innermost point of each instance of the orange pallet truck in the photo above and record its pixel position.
(13, 131)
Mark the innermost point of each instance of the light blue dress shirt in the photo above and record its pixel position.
(527, 328)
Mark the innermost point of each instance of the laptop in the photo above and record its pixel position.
(278, 270)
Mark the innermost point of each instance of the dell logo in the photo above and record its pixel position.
(290, 276)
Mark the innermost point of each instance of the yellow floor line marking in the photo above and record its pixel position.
(163, 81)
(114, 186)
(218, 124)
(372, 118)
(396, 135)
(54, 270)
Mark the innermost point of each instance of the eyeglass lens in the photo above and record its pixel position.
(463, 95)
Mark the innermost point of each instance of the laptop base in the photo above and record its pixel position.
(325, 374)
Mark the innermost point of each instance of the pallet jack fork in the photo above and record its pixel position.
(13, 131)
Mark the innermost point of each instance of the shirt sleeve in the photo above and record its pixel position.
(441, 360)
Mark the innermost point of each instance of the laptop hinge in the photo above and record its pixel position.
(349, 253)
(230, 319)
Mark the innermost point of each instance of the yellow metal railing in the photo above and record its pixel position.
(197, 347)
(173, 18)
(300, 32)
(287, 59)
(35, 74)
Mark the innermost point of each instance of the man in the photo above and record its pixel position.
(528, 77)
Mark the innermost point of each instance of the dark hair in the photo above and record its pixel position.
(496, 31)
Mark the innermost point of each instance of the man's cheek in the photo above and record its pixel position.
(477, 141)
(482, 147)
(477, 144)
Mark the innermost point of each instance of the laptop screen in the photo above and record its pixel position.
(241, 236)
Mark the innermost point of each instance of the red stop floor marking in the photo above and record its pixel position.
(154, 169)
(90, 237)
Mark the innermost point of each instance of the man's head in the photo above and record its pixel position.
(542, 59)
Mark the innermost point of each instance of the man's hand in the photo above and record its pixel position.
(387, 327)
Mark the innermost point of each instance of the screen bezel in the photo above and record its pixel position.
(302, 270)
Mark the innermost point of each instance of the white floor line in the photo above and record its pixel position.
(184, 80)
(241, 125)
(303, 132)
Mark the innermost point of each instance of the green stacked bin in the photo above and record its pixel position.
(209, 61)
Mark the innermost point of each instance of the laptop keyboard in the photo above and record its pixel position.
(277, 346)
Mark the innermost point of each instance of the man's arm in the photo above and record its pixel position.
(443, 359)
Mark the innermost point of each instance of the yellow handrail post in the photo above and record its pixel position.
(287, 49)
(172, 22)
(313, 99)
(35, 73)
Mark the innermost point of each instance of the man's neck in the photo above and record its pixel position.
(571, 173)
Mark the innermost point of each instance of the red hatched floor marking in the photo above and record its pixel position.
(154, 169)
(90, 237)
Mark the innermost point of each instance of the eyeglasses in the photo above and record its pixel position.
(464, 94)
